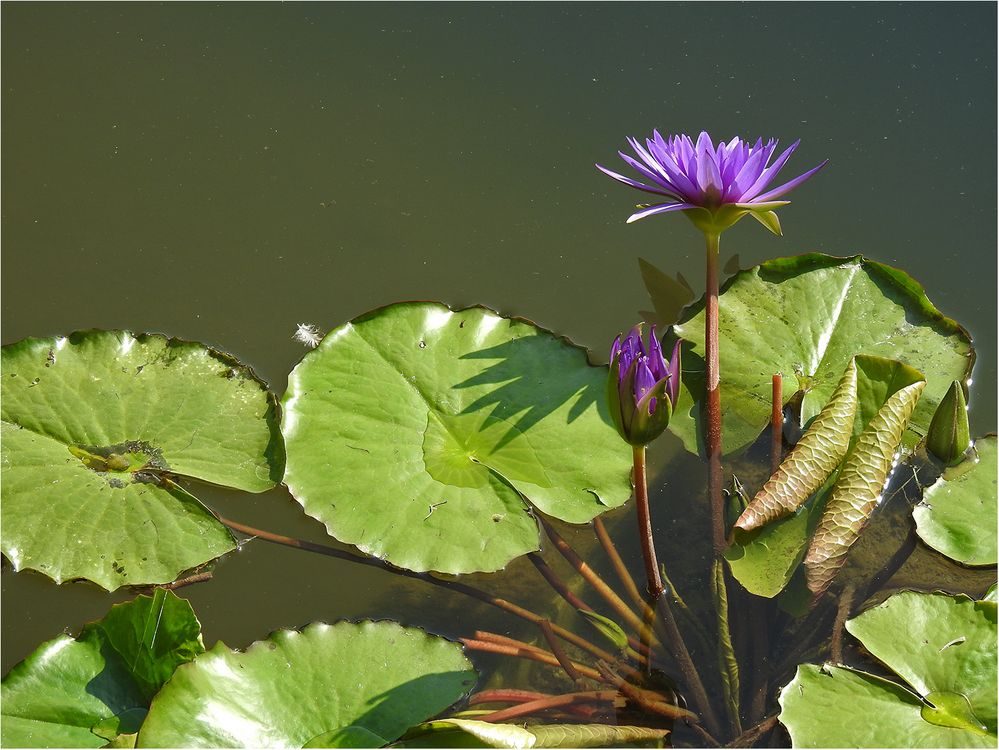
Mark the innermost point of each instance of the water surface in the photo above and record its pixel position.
(222, 173)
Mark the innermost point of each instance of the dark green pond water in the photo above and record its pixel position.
(222, 173)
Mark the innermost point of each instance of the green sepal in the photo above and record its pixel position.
(614, 395)
(725, 216)
(769, 220)
(647, 427)
(949, 435)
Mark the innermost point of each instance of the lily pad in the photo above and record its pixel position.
(90, 425)
(805, 317)
(472, 733)
(415, 432)
(343, 685)
(84, 692)
(943, 648)
(958, 513)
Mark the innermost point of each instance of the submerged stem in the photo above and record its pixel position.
(495, 601)
(653, 581)
(619, 567)
(591, 577)
(549, 702)
(713, 401)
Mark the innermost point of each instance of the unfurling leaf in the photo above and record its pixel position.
(813, 459)
(949, 435)
(607, 628)
(860, 484)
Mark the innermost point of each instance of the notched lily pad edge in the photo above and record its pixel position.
(528, 507)
(564, 338)
(794, 264)
(235, 365)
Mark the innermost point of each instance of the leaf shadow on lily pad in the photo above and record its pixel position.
(381, 723)
(523, 364)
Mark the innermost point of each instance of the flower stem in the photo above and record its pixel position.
(673, 638)
(713, 378)
(653, 581)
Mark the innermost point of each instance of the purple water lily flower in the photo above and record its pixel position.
(642, 386)
(714, 185)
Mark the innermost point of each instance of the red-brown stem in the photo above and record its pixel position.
(839, 624)
(482, 596)
(557, 583)
(748, 737)
(553, 701)
(619, 567)
(705, 735)
(639, 649)
(505, 695)
(712, 381)
(525, 651)
(629, 691)
(682, 657)
(776, 423)
(654, 582)
(180, 583)
(553, 644)
(501, 644)
(592, 578)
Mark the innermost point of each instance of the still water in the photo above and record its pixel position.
(223, 172)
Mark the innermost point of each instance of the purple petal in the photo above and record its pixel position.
(673, 170)
(749, 173)
(634, 341)
(615, 348)
(656, 362)
(644, 381)
(768, 174)
(655, 172)
(708, 178)
(789, 186)
(660, 209)
(635, 183)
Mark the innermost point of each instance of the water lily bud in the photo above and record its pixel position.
(949, 435)
(642, 386)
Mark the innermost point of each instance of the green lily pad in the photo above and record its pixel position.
(92, 422)
(343, 685)
(472, 733)
(943, 648)
(958, 513)
(415, 432)
(85, 691)
(805, 317)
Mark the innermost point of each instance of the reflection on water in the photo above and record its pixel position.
(222, 173)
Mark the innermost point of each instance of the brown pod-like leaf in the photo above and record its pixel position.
(811, 462)
(858, 489)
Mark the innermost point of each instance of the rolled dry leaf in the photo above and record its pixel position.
(813, 459)
(858, 489)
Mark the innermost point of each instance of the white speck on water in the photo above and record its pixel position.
(308, 334)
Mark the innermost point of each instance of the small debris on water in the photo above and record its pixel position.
(308, 334)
